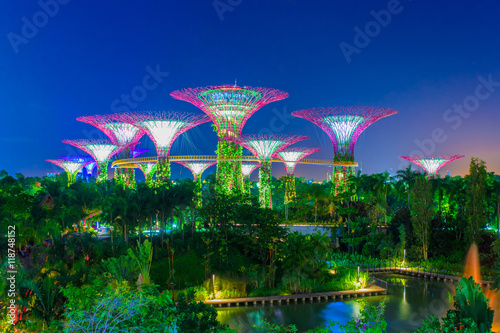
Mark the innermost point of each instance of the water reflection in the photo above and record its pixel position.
(410, 301)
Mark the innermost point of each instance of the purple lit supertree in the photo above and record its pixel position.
(229, 107)
(265, 147)
(291, 157)
(122, 134)
(89, 163)
(344, 125)
(101, 151)
(432, 164)
(163, 128)
(71, 167)
(197, 168)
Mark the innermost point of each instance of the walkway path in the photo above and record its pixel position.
(372, 290)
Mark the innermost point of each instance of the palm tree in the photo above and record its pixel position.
(383, 186)
(127, 209)
(408, 177)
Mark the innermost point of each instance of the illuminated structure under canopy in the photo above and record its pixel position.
(122, 134)
(163, 127)
(265, 147)
(248, 168)
(148, 169)
(90, 168)
(71, 167)
(101, 151)
(89, 163)
(291, 157)
(229, 107)
(197, 168)
(344, 125)
(432, 164)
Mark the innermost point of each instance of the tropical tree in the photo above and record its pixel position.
(422, 209)
(476, 199)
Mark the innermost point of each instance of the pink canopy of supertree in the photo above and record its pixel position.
(247, 168)
(120, 133)
(70, 166)
(82, 159)
(197, 167)
(100, 150)
(432, 164)
(163, 127)
(344, 125)
(267, 146)
(293, 155)
(229, 107)
(88, 160)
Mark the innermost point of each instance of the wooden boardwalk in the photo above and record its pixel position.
(302, 298)
(419, 272)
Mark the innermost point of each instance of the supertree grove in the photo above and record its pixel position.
(71, 167)
(122, 134)
(265, 147)
(290, 157)
(163, 127)
(229, 107)
(197, 168)
(343, 125)
(101, 151)
(432, 164)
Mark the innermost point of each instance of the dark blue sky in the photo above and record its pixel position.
(431, 56)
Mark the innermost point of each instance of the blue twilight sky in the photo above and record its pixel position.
(436, 62)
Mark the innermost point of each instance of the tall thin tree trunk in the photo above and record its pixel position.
(140, 228)
(498, 210)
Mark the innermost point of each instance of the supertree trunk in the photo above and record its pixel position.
(265, 185)
(340, 178)
(102, 172)
(71, 177)
(290, 193)
(229, 175)
(198, 198)
(125, 176)
(163, 172)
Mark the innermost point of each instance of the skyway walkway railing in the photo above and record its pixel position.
(132, 162)
(408, 269)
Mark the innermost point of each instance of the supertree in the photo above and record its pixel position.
(229, 107)
(291, 157)
(246, 170)
(197, 168)
(89, 163)
(163, 127)
(432, 164)
(100, 150)
(343, 125)
(148, 169)
(122, 134)
(71, 168)
(265, 147)
(248, 167)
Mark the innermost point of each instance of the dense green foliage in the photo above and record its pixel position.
(229, 246)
